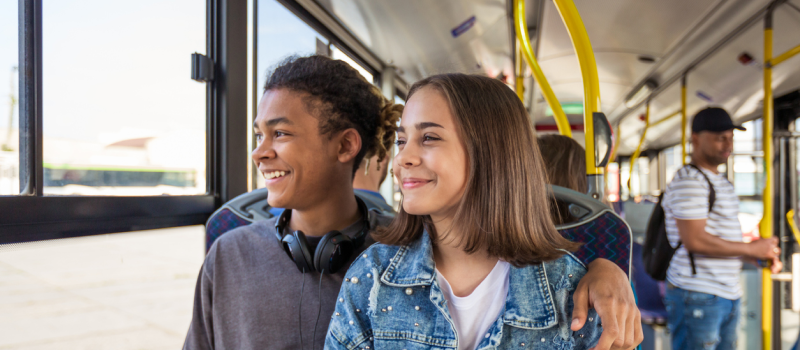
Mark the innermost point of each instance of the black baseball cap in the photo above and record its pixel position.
(713, 119)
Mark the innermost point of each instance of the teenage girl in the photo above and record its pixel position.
(472, 260)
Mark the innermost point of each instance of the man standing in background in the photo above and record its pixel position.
(703, 288)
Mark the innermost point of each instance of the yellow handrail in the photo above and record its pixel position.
(683, 120)
(766, 220)
(784, 56)
(617, 139)
(665, 118)
(793, 225)
(519, 85)
(591, 84)
(636, 153)
(521, 29)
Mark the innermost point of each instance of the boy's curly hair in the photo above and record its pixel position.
(341, 98)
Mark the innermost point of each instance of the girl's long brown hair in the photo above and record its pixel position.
(504, 209)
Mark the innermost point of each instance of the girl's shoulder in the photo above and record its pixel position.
(376, 258)
(565, 271)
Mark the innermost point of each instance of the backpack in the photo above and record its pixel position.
(657, 252)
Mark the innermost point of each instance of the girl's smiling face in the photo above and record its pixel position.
(431, 165)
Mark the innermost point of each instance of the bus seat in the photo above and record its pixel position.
(604, 234)
(250, 207)
(649, 292)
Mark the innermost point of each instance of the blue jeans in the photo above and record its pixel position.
(701, 321)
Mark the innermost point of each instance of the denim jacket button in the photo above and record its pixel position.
(354, 280)
(409, 291)
(389, 308)
(416, 308)
(369, 275)
(543, 340)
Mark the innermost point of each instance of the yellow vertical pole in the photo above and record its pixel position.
(638, 151)
(519, 84)
(591, 84)
(683, 120)
(527, 52)
(766, 221)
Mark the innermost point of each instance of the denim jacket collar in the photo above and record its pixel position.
(529, 303)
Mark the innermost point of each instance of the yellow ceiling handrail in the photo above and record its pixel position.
(591, 83)
(521, 29)
(519, 84)
(666, 118)
(784, 56)
(635, 155)
(793, 225)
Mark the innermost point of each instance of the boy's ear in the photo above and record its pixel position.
(349, 145)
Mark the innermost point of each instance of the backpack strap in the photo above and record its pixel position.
(712, 197)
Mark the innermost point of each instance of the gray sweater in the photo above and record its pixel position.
(249, 291)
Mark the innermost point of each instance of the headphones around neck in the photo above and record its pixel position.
(333, 250)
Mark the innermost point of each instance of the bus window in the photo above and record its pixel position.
(641, 177)
(612, 192)
(748, 178)
(624, 176)
(120, 116)
(9, 102)
(672, 157)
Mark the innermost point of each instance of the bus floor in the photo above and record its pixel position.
(122, 291)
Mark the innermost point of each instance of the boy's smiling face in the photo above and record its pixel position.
(298, 163)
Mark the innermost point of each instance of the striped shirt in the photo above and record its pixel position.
(687, 199)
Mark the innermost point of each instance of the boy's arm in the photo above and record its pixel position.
(606, 288)
(201, 330)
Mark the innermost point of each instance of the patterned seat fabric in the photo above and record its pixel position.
(222, 221)
(250, 207)
(607, 237)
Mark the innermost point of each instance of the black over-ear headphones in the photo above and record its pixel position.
(333, 251)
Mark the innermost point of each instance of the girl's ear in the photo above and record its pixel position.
(349, 145)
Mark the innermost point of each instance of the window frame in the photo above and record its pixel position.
(34, 216)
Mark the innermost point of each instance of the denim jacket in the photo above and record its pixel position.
(390, 300)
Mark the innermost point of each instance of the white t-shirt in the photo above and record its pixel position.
(687, 199)
(475, 313)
